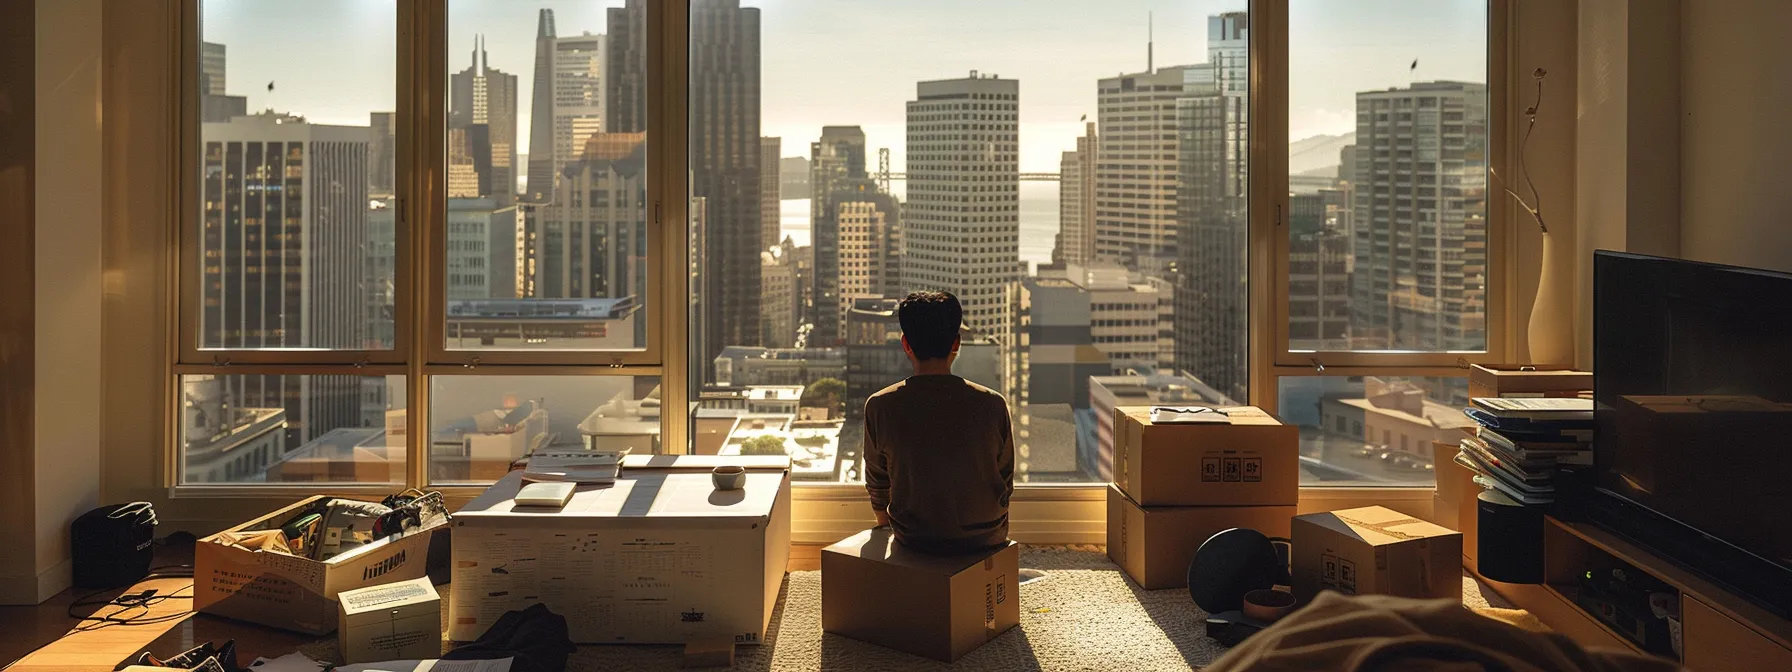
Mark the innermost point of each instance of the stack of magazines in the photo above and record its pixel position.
(574, 466)
(1516, 443)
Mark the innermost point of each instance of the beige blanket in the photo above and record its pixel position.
(1376, 632)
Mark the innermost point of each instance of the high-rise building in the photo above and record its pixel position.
(1419, 278)
(567, 104)
(469, 161)
(1318, 277)
(214, 104)
(782, 305)
(836, 166)
(793, 177)
(481, 256)
(591, 241)
(961, 229)
(484, 95)
(724, 150)
(625, 68)
(1076, 201)
(382, 148)
(770, 179)
(1136, 165)
(1212, 206)
(211, 68)
(285, 236)
(870, 250)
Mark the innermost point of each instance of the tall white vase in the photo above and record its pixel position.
(1551, 330)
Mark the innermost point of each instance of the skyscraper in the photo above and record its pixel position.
(578, 111)
(724, 150)
(770, 179)
(481, 258)
(214, 104)
(1136, 165)
(1318, 276)
(1419, 277)
(592, 239)
(285, 236)
(961, 231)
(485, 95)
(836, 166)
(1212, 203)
(781, 308)
(870, 238)
(540, 176)
(1076, 201)
(382, 147)
(625, 68)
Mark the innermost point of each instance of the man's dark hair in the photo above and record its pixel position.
(930, 320)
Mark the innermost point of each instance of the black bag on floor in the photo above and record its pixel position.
(112, 545)
(535, 639)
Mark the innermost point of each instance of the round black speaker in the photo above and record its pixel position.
(1231, 563)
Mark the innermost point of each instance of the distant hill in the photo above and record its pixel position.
(1317, 155)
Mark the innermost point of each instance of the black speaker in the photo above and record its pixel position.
(112, 545)
(1510, 548)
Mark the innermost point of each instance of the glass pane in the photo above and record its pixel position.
(1387, 175)
(546, 247)
(294, 235)
(1372, 430)
(292, 429)
(479, 425)
(1092, 225)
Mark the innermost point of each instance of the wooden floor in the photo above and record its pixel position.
(69, 645)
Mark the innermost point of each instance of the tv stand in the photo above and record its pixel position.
(1720, 631)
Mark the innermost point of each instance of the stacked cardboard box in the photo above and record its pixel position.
(1175, 485)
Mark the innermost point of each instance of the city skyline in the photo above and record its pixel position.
(1333, 43)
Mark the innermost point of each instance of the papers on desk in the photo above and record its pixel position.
(574, 466)
(1189, 415)
(496, 665)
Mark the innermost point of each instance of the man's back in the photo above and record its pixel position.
(939, 456)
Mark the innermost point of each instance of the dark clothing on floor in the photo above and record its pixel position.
(939, 457)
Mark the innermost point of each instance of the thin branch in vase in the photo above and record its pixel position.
(1530, 114)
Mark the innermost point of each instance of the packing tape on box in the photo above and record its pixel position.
(1384, 528)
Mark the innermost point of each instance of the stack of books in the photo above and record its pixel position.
(1516, 443)
(573, 466)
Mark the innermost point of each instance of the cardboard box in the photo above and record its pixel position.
(1155, 544)
(292, 592)
(394, 621)
(1521, 380)
(1252, 461)
(937, 606)
(660, 557)
(1375, 550)
(1454, 504)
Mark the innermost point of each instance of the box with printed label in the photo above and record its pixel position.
(938, 606)
(395, 621)
(1252, 459)
(659, 557)
(1375, 550)
(1155, 544)
(294, 592)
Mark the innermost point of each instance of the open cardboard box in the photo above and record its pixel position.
(297, 593)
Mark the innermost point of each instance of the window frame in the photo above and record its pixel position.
(419, 352)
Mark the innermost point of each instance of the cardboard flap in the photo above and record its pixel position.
(879, 544)
(1378, 526)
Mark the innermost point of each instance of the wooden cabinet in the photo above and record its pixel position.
(1717, 643)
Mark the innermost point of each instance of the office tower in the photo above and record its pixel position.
(285, 236)
(469, 161)
(625, 66)
(870, 229)
(591, 240)
(793, 177)
(214, 104)
(1318, 281)
(481, 257)
(481, 95)
(382, 149)
(724, 150)
(567, 103)
(782, 305)
(1136, 165)
(211, 68)
(836, 166)
(1420, 230)
(770, 179)
(1076, 201)
(961, 229)
(1212, 301)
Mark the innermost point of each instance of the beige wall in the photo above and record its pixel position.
(18, 113)
(1736, 132)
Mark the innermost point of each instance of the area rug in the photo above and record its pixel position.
(1084, 615)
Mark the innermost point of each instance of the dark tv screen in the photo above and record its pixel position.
(1692, 367)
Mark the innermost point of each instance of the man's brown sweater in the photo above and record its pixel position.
(939, 457)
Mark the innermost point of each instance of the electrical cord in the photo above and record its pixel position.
(132, 602)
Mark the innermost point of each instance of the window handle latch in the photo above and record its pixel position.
(1316, 365)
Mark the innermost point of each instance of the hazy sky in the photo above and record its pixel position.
(845, 62)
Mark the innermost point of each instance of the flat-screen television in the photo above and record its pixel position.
(1692, 381)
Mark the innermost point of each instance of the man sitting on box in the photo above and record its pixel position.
(939, 449)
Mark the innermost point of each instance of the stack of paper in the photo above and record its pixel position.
(1518, 442)
(574, 466)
